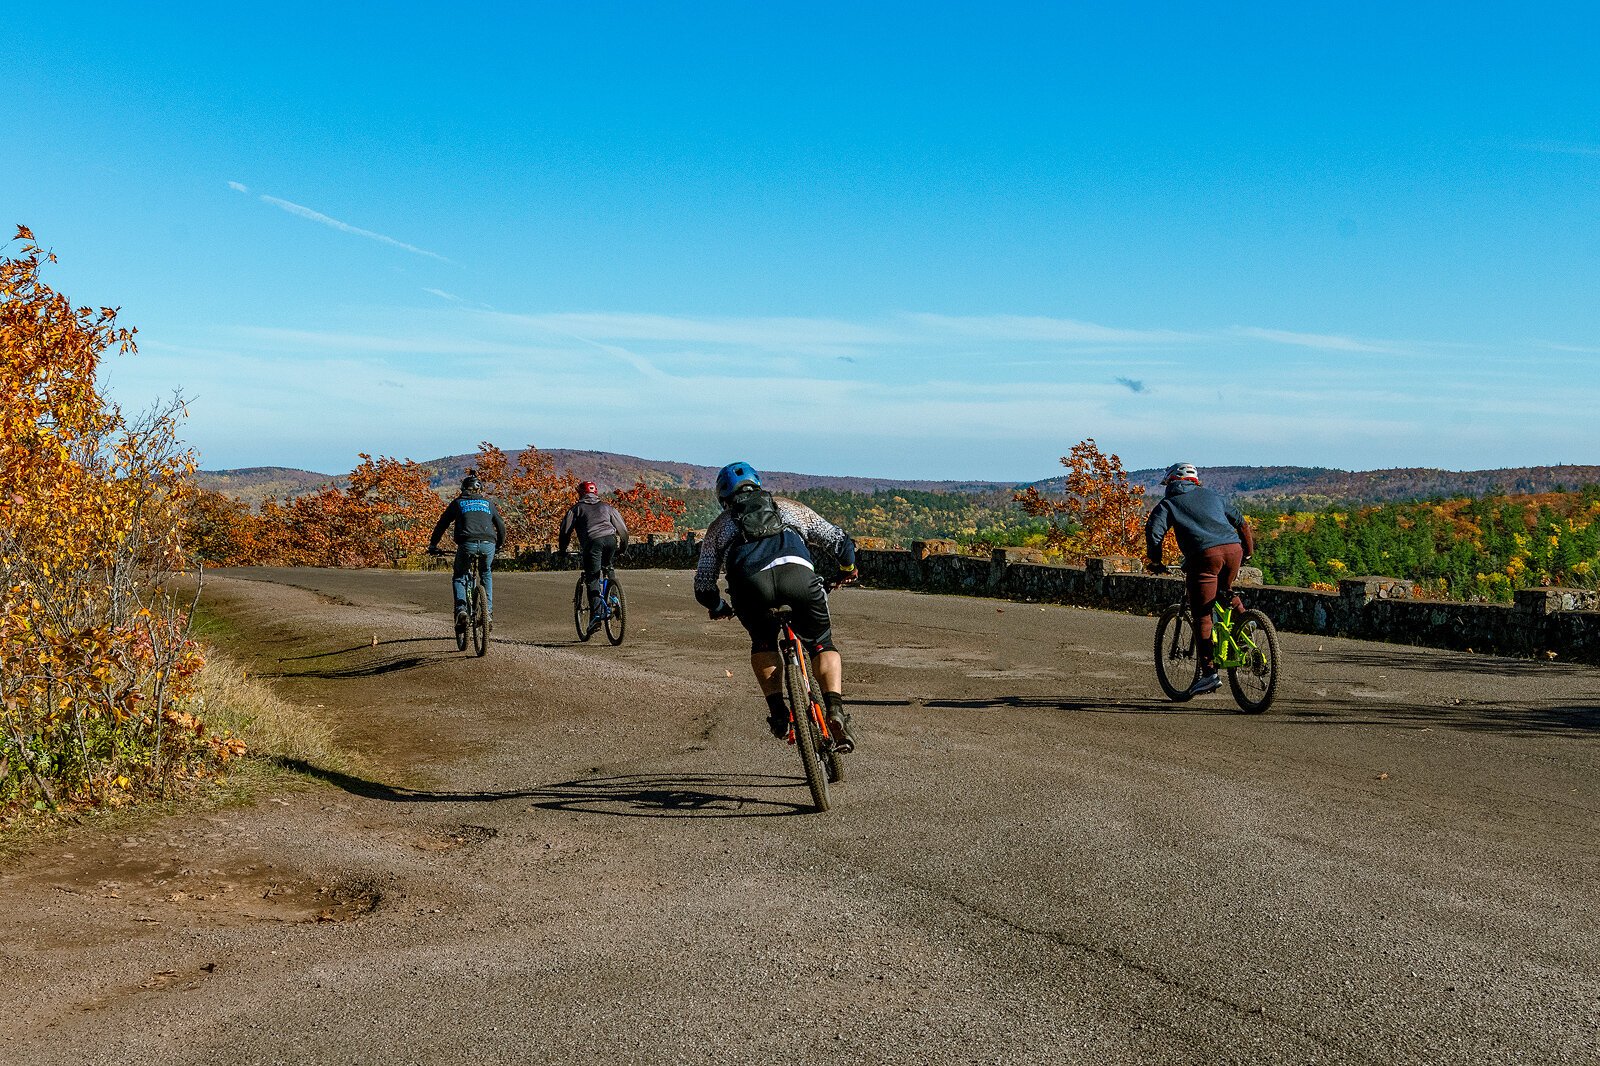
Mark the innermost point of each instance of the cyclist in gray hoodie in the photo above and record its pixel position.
(602, 536)
(1215, 541)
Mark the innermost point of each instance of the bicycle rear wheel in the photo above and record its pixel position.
(806, 735)
(1256, 682)
(616, 612)
(1177, 665)
(480, 620)
(580, 610)
(460, 624)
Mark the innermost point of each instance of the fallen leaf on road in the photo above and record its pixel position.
(1381, 777)
(728, 672)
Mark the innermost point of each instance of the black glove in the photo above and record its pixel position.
(848, 575)
(722, 610)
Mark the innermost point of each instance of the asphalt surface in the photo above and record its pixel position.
(570, 852)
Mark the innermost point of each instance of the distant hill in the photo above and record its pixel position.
(608, 470)
(1261, 485)
(1317, 486)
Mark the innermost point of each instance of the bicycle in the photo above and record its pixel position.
(616, 621)
(1244, 643)
(478, 622)
(808, 720)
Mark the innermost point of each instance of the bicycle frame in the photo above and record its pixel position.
(789, 644)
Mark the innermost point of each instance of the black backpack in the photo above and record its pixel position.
(755, 515)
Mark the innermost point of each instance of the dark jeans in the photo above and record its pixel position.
(484, 549)
(598, 556)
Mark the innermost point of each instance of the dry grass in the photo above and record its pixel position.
(230, 700)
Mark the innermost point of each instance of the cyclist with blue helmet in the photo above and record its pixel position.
(764, 543)
(1215, 540)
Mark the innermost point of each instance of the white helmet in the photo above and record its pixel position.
(1181, 472)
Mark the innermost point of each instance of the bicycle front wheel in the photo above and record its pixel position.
(1256, 682)
(806, 735)
(1177, 665)
(616, 612)
(580, 610)
(480, 621)
(831, 757)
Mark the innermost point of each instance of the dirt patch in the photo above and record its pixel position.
(449, 838)
(165, 887)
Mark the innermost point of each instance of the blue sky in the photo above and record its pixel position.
(917, 240)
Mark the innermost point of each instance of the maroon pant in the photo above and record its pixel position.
(1206, 575)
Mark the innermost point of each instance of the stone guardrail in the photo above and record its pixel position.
(1542, 622)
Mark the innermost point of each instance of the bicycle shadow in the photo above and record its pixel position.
(365, 647)
(627, 796)
(1088, 706)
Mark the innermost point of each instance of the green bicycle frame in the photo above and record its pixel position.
(1229, 650)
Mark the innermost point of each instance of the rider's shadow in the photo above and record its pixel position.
(627, 796)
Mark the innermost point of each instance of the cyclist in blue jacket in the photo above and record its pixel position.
(765, 542)
(478, 531)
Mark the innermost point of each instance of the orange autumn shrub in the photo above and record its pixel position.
(96, 663)
(647, 510)
(1103, 514)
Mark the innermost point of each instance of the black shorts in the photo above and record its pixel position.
(754, 596)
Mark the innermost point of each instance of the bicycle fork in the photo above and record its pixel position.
(793, 658)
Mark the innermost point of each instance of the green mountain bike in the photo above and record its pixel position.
(1244, 643)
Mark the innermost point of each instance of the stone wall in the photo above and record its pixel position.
(1545, 623)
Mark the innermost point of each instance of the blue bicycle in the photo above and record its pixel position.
(616, 616)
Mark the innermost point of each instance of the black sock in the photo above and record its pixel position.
(835, 702)
(776, 705)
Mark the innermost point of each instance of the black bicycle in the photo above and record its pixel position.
(616, 619)
(477, 623)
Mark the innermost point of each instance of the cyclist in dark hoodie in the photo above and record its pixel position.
(478, 531)
(602, 536)
(1215, 541)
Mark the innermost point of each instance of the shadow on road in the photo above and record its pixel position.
(1090, 706)
(1406, 660)
(390, 665)
(367, 646)
(629, 796)
(1524, 720)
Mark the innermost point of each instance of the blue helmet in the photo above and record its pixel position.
(735, 476)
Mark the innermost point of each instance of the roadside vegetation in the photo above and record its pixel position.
(106, 696)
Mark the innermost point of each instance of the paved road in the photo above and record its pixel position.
(578, 853)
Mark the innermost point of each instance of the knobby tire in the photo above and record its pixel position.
(616, 613)
(806, 736)
(580, 610)
(480, 620)
(1256, 683)
(1177, 664)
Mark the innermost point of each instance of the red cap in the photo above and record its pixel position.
(588, 488)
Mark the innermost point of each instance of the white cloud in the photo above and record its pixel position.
(1042, 329)
(441, 294)
(1322, 341)
(237, 187)
(345, 227)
